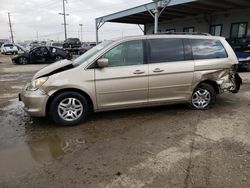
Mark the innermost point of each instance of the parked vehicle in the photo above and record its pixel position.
(41, 54)
(243, 54)
(20, 48)
(9, 49)
(134, 72)
(56, 44)
(241, 47)
(72, 43)
(85, 47)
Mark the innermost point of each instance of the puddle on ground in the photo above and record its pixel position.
(8, 95)
(13, 77)
(17, 158)
(25, 145)
(17, 87)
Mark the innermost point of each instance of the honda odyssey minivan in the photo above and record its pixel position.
(134, 72)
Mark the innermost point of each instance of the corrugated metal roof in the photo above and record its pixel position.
(176, 9)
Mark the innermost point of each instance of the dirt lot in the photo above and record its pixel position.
(169, 146)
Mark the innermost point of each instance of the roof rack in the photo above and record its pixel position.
(183, 33)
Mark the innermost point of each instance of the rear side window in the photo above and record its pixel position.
(166, 50)
(207, 49)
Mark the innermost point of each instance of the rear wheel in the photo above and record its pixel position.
(203, 96)
(23, 60)
(69, 108)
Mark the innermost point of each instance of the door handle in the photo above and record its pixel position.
(158, 70)
(139, 72)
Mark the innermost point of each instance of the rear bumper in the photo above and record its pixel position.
(10, 51)
(34, 102)
(237, 82)
(231, 83)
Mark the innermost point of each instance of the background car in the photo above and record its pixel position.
(55, 44)
(72, 43)
(241, 48)
(42, 54)
(85, 47)
(243, 55)
(20, 48)
(9, 49)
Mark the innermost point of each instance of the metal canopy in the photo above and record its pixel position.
(175, 9)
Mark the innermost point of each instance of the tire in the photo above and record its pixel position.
(203, 97)
(69, 108)
(23, 61)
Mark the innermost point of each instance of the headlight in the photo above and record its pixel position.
(36, 84)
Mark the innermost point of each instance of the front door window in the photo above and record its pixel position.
(125, 54)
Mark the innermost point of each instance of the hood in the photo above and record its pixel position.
(54, 68)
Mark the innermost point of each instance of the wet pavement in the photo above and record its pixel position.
(170, 146)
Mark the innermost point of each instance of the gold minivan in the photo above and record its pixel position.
(134, 72)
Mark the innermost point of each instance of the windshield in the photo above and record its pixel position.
(83, 58)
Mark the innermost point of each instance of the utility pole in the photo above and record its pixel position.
(11, 32)
(64, 18)
(81, 31)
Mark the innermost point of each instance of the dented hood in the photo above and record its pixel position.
(54, 68)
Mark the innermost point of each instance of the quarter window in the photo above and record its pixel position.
(128, 53)
(207, 49)
(166, 50)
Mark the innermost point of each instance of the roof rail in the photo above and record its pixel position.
(183, 33)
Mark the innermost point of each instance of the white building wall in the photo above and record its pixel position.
(202, 23)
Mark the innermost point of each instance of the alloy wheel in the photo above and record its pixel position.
(70, 109)
(201, 98)
(23, 60)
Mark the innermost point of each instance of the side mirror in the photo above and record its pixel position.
(103, 62)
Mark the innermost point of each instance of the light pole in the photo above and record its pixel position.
(81, 30)
(11, 32)
(64, 19)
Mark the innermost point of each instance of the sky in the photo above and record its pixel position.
(40, 19)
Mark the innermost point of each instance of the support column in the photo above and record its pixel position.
(96, 31)
(156, 16)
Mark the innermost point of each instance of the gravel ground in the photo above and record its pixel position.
(170, 146)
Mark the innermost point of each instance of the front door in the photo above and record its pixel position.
(39, 55)
(171, 70)
(124, 82)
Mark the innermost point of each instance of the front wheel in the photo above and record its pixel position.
(203, 96)
(69, 108)
(23, 60)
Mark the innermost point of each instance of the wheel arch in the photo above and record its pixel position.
(52, 97)
(211, 83)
